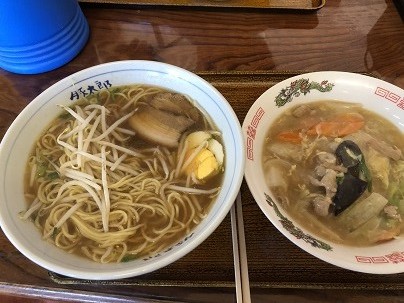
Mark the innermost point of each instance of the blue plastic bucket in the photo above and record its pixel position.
(40, 35)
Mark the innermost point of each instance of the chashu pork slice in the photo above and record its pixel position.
(160, 127)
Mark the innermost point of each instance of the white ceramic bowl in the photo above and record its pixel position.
(383, 98)
(19, 139)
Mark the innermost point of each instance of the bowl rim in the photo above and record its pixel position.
(213, 223)
(258, 194)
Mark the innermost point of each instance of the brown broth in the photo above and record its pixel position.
(150, 220)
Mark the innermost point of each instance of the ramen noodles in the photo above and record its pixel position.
(124, 174)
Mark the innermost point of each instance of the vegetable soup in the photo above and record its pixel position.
(338, 170)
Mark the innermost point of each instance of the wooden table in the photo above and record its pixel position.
(356, 36)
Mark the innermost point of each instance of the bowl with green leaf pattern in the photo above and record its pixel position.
(325, 164)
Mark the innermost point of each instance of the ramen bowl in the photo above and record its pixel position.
(18, 142)
(377, 96)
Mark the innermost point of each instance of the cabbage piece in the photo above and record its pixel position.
(377, 229)
(288, 151)
(396, 187)
(276, 172)
(379, 166)
(361, 211)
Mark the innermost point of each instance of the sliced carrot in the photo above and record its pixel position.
(338, 126)
(350, 128)
(290, 136)
(349, 117)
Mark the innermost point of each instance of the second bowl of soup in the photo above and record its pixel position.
(325, 153)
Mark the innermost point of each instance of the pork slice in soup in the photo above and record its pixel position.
(338, 170)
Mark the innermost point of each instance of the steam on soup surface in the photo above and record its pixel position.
(124, 174)
(338, 170)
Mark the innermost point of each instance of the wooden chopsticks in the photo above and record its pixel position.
(240, 253)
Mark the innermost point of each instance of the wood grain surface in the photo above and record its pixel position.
(263, 4)
(358, 36)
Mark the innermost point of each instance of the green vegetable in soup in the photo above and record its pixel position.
(396, 188)
(129, 257)
(365, 173)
